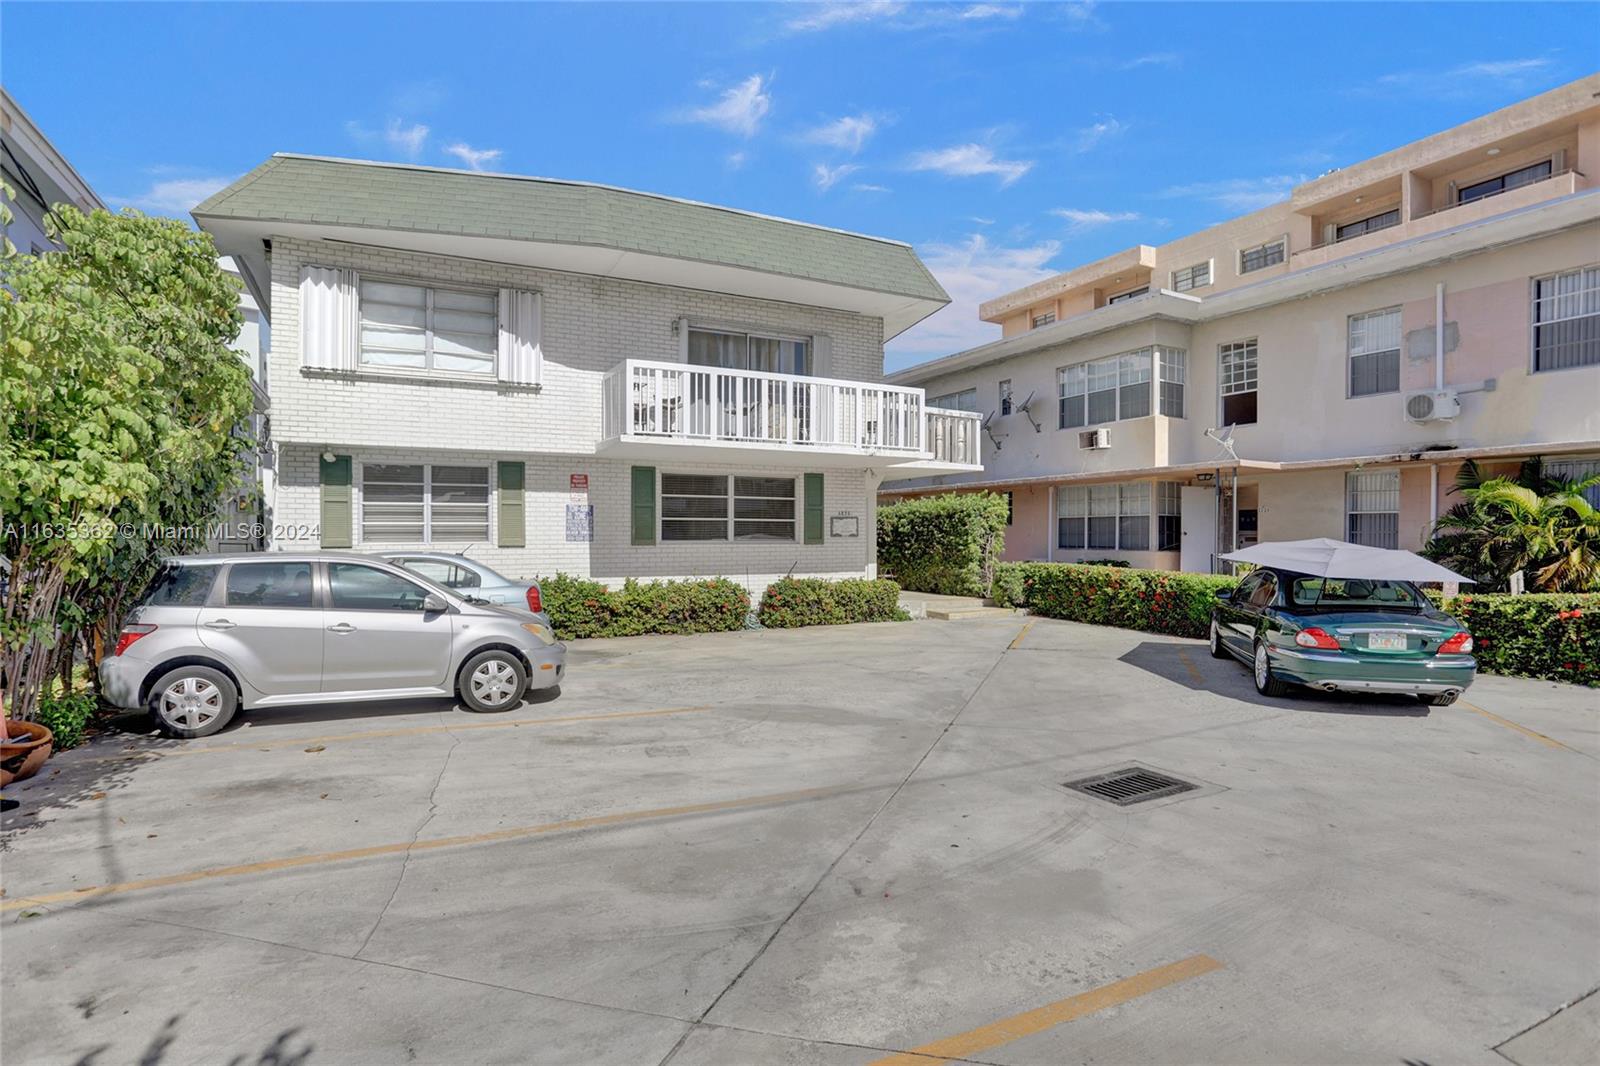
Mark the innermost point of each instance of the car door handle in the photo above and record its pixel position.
(342, 627)
(219, 623)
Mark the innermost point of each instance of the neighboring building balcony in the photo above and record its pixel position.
(659, 410)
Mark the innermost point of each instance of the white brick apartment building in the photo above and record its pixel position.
(569, 377)
(1360, 340)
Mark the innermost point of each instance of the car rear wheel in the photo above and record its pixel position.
(493, 680)
(193, 701)
(1217, 650)
(1438, 699)
(1266, 684)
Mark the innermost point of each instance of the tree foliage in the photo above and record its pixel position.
(121, 414)
(1538, 525)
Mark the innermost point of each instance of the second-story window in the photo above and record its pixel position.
(1566, 319)
(965, 400)
(1236, 372)
(1261, 256)
(1005, 396)
(1118, 387)
(750, 351)
(1375, 352)
(1044, 318)
(417, 327)
(1192, 277)
(1367, 225)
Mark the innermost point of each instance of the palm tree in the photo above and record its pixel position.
(1534, 523)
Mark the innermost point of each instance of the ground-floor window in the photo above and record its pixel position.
(1579, 469)
(1118, 517)
(423, 503)
(727, 507)
(1373, 508)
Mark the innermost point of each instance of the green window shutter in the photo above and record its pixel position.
(644, 505)
(338, 522)
(513, 510)
(813, 508)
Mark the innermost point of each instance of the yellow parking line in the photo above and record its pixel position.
(1017, 641)
(414, 731)
(1540, 737)
(515, 833)
(995, 1034)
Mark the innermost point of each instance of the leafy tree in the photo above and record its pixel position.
(120, 413)
(1534, 523)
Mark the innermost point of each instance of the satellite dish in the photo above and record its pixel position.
(1022, 409)
(988, 418)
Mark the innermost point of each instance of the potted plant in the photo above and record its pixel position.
(24, 746)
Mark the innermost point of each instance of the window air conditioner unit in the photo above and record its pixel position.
(1094, 439)
(1432, 405)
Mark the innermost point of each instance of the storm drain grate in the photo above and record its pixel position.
(1132, 784)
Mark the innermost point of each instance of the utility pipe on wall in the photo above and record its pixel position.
(1438, 339)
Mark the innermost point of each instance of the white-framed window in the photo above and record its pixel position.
(727, 507)
(1236, 373)
(1192, 277)
(1118, 517)
(1566, 319)
(424, 503)
(1118, 387)
(1043, 318)
(773, 353)
(1372, 508)
(965, 400)
(1261, 256)
(1130, 294)
(1360, 227)
(406, 326)
(1374, 344)
(1005, 396)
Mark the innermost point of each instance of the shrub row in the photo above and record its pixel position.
(814, 601)
(1554, 636)
(1156, 601)
(946, 544)
(582, 608)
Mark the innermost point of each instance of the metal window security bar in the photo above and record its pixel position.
(1566, 319)
(1374, 345)
(1192, 277)
(1373, 508)
(1261, 256)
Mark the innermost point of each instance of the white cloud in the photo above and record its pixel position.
(736, 160)
(1092, 135)
(740, 109)
(990, 11)
(981, 221)
(1239, 194)
(1467, 79)
(865, 187)
(1085, 220)
(970, 160)
(971, 272)
(827, 16)
(827, 177)
(473, 157)
(1151, 59)
(175, 196)
(406, 139)
(848, 132)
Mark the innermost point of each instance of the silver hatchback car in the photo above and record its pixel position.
(217, 633)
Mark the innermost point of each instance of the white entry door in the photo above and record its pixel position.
(1199, 523)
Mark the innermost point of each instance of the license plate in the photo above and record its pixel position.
(1386, 642)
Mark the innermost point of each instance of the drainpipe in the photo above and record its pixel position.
(1234, 506)
(1051, 524)
(1433, 497)
(1438, 338)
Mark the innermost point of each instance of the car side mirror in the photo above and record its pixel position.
(432, 603)
(1225, 595)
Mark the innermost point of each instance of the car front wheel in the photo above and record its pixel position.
(1266, 684)
(1217, 650)
(193, 701)
(493, 680)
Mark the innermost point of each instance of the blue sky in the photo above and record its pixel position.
(1004, 141)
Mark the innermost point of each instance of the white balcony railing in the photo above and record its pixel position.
(643, 400)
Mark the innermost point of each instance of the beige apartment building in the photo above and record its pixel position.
(1351, 346)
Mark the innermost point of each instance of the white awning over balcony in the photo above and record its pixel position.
(658, 410)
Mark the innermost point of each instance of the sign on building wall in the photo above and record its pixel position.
(580, 523)
(845, 525)
(580, 487)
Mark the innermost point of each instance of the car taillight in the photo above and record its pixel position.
(1459, 644)
(1313, 637)
(534, 603)
(130, 634)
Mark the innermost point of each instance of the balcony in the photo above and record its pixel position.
(653, 410)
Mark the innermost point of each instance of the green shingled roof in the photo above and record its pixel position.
(308, 189)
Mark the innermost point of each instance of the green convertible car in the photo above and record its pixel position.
(1345, 634)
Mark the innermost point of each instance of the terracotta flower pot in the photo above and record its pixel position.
(26, 747)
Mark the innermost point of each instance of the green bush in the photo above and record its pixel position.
(945, 544)
(814, 601)
(1157, 601)
(582, 608)
(66, 717)
(1554, 636)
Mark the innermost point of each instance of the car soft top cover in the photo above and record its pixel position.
(1323, 557)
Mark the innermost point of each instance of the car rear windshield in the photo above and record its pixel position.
(1338, 593)
(181, 586)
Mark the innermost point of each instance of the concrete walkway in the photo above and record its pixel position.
(950, 608)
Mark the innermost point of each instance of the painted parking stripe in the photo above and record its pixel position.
(1006, 1030)
(413, 731)
(1017, 641)
(1548, 742)
(325, 858)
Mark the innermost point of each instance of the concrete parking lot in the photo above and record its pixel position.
(837, 846)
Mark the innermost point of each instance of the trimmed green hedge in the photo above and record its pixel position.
(1554, 636)
(814, 601)
(583, 608)
(947, 544)
(1156, 601)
